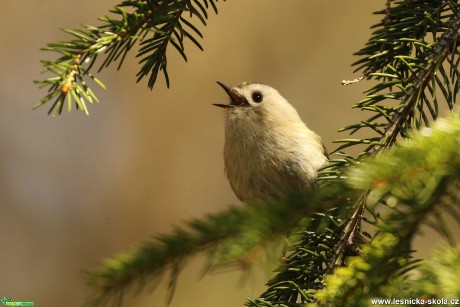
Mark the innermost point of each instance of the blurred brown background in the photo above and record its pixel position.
(76, 189)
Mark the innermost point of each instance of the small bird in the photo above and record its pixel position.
(268, 149)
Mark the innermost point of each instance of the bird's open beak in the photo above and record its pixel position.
(237, 98)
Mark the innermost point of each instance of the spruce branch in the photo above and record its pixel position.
(154, 25)
(412, 98)
(421, 178)
(435, 281)
(228, 238)
(437, 278)
(405, 62)
(418, 180)
(231, 237)
(407, 54)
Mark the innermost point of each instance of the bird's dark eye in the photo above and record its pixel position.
(257, 96)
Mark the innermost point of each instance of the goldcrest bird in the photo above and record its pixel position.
(268, 149)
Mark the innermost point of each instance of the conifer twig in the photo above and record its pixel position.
(156, 25)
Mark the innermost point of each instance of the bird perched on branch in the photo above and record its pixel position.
(268, 149)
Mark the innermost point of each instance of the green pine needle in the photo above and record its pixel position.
(154, 25)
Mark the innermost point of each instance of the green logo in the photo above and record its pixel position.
(6, 301)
